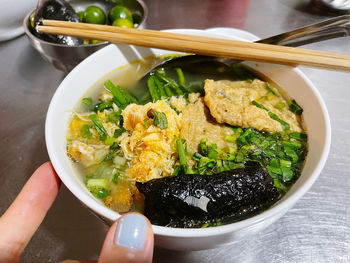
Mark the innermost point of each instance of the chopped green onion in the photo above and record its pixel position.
(160, 120)
(116, 177)
(153, 90)
(272, 115)
(85, 131)
(298, 135)
(272, 90)
(103, 106)
(117, 93)
(181, 76)
(212, 153)
(87, 101)
(102, 193)
(168, 91)
(292, 144)
(98, 126)
(119, 160)
(109, 141)
(280, 105)
(118, 132)
(294, 107)
(160, 88)
(93, 184)
(146, 123)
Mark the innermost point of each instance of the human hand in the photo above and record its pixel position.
(130, 238)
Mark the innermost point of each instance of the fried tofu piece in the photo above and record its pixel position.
(198, 124)
(231, 102)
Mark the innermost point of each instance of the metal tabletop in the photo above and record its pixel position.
(316, 229)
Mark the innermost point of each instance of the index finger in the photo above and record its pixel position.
(23, 217)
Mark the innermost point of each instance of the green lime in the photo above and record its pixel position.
(81, 16)
(122, 22)
(95, 41)
(94, 15)
(119, 11)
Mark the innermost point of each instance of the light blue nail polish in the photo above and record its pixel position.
(131, 232)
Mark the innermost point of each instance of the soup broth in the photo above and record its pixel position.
(189, 145)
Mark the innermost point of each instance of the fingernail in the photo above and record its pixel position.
(131, 232)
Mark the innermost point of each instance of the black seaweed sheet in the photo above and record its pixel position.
(195, 200)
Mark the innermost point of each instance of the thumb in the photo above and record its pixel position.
(130, 239)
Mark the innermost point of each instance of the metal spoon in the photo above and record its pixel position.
(56, 10)
(203, 65)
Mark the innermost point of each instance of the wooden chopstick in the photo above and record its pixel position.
(201, 45)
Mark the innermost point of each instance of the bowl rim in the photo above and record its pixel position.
(282, 205)
(30, 34)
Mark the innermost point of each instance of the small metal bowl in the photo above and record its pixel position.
(65, 57)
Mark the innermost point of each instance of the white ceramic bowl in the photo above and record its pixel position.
(293, 81)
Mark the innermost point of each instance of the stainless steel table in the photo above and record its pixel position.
(317, 229)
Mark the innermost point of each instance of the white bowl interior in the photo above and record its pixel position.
(106, 60)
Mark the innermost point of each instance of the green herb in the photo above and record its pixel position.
(183, 168)
(298, 136)
(98, 126)
(103, 106)
(272, 90)
(102, 193)
(294, 107)
(119, 160)
(146, 123)
(118, 132)
(97, 187)
(85, 131)
(272, 115)
(280, 105)
(160, 120)
(181, 76)
(153, 89)
(116, 177)
(109, 141)
(118, 95)
(87, 101)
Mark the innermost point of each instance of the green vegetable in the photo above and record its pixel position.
(116, 91)
(94, 15)
(119, 160)
(97, 187)
(85, 131)
(298, 136)
(160, 88)
(272, 115)
(109, 141)
(87, 101)
(183, 168)
(99, 127)
(272, 90)
(280, 105)
(119, 11)
(160, 120)
(294, 107)
(118, 132)
(146, 123)
(181, 76)
(102, 193)
(103, 106)
(116, 177)
(161, 74)
(168, 91)
(153, 89)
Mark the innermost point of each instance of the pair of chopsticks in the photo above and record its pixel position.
(201, 45)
